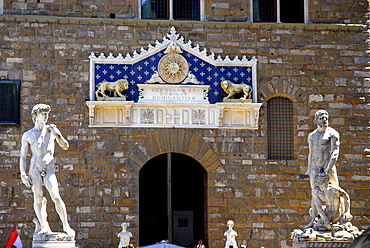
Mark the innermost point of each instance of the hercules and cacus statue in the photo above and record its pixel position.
(330, 204)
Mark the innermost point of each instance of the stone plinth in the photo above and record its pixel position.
(314, 244)
(53, 240)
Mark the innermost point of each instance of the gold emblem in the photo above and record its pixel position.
(173, 68)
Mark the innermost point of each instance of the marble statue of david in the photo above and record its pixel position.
(41, 139)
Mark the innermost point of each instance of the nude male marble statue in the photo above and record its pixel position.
(230, 235)
(330, 204)
(323, 153)
(124, 236)
(41, 139)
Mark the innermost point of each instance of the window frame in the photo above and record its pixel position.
(278, 18)
(16, 98)
(170, 8)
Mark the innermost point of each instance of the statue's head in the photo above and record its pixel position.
(321, 178)
(124, 225)
(321, 118)
(230, 223)
(39, 108)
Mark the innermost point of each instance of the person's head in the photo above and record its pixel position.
(200, 241)
(322, 118)
(39, 109)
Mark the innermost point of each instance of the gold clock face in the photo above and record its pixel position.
(173, 68)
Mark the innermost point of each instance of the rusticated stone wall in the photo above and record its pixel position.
(316, 66)
(322, 11)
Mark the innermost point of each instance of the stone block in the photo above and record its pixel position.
(53, 240)
(319, 244)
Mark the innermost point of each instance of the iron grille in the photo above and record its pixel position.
(280, 129)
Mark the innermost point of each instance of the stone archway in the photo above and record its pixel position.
(172, 200)
(173, 140)
(150, 152)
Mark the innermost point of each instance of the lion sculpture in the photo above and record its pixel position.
(117, 87)
(230, 88)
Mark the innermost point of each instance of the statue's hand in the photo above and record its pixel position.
(26, 180)
(55, 130)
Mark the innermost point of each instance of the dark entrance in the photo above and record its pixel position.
(172, 193)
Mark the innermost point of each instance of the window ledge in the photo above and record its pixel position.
(73, 20)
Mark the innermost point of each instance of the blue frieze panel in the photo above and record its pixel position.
(139, 68)
(206, 74)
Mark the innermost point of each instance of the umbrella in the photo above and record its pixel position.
(162, 244)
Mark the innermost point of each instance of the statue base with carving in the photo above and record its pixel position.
(53, 240)
(315, 244)
(341, 235)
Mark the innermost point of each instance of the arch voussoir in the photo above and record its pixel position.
(281, 87)
(173, 140)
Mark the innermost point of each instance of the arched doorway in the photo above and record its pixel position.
(172, 200)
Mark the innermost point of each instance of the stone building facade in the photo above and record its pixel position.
(319, 64)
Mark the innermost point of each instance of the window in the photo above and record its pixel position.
(171, 9)
(286, 11)
(280, 131)
(10, 102)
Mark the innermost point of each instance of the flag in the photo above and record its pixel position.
(14, 240)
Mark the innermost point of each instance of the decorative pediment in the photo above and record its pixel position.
(176, 74)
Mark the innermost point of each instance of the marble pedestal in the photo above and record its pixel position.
(314, 244)
(53, 240)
